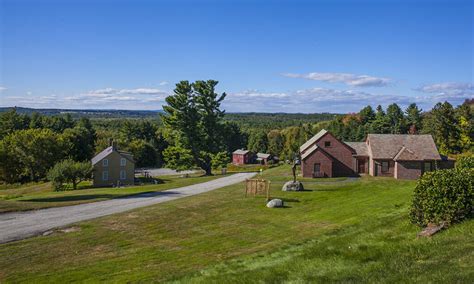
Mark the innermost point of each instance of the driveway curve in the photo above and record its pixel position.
(21, 225)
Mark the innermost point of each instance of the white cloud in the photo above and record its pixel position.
(2, 89)
(163, 83)
(345, 78)
(108, 98)
(446, 87)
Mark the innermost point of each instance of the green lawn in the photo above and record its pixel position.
(41, 195)
(333, 232)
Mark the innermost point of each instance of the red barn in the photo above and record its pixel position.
(241, 157)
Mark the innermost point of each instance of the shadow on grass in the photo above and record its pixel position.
(100, 196)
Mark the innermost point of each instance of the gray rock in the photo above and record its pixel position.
(275, 203)
(292, 186)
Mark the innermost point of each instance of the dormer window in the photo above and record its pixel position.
(327, 144)
(105, 162)
(123, 162)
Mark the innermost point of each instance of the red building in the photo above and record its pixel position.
(241, 157)
(397, 155)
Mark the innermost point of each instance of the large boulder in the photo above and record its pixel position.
(275, 203)
(292, 186)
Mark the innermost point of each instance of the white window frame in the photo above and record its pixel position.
(123, 162)
(123, 174)
(105, 162)
(105, 175)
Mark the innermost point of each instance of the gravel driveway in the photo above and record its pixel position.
(20, 225)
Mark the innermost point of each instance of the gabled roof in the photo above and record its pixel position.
(403, 147)
(313, 140)
(359, 147)
(406, 154)
(313, 149)
(240, 152)
(263, 155)
(107, 151)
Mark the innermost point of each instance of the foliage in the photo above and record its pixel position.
(220, 160)
(258, 142)
(144, 154)
(465, 162)
(79, 142)
(413, 118)
(442, 124)
(69, 171)
(443, 196)
(194, 121)
(33, 151)
(178, 158)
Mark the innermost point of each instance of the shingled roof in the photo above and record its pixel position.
(108, 151)
(313, 140)
(403, 147)
(359, 147)
(263, 155)
(240, 152)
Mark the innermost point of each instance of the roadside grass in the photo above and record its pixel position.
(41, 195)
(354, 231)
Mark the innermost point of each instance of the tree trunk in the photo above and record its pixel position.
(74, 184)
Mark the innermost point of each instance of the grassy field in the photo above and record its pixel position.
(341, 231)
(41, 195)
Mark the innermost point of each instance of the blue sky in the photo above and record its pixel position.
(269, 56)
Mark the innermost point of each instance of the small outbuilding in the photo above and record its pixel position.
(241, 157)
(263, 158)
(113, 167)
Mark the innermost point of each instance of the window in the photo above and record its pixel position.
(105, 175)
(427, 167)
(327, 144)
(123, 174)
(123, 162)
(384, 167)
(317, 168)
(105, 162)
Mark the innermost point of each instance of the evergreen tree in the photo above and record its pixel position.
(194, 121)
(367, 115)
(413, 118)
(381, 123)
(396, 119)
(442, 124)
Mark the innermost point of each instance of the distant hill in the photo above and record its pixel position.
(91, 113)
(248, 120)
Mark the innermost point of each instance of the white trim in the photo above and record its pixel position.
(105, 175)
(123, 162)
(123, 174)
(105, 162)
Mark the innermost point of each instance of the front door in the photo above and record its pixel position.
(361, 164)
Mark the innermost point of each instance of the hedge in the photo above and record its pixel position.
(443, 196)
(466, 162)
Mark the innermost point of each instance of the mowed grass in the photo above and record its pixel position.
(41, 195)
(333, 232)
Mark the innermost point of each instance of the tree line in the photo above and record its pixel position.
(193, 131)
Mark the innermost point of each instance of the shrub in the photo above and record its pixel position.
(466, 162)
(443, 196)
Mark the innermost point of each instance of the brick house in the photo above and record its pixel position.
(113, 167)
(396, 155)
(241, 157)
